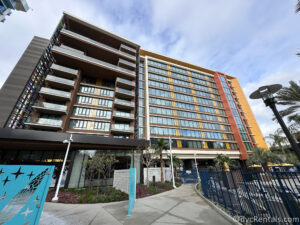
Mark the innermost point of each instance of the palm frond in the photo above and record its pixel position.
(298, 7)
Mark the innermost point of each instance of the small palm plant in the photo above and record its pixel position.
(222, 160)
(160, 146)
(176, 163)
(263, 157)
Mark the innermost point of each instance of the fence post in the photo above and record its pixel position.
(225, 205)
(237, 194)
(264, 196)
(247, 190)
(286, 199)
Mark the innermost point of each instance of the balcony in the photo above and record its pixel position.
(123, 116)
(117, 129)
(54, 94)
(59, 82)
(97, 44)
(123, 104)
(82, 61)
(71, 49)
(51, 108)
(120, 82)
(124, 93)
(43, 123)
(127, 65)
(127, 49)
(65, 72)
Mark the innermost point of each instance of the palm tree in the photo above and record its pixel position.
(277, 139)
(289, 96)
(221, 161)
(176, 163)
(262, 157)
(160, 146)
(298, 7)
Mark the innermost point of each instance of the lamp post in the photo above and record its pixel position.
(55, 198)
(196, 166)
(172, 168)
(266, 93)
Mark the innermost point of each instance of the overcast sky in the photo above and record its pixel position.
(255, 41)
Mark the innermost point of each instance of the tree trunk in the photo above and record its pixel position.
(161, 170)
(90, 184)
(147, 177)
(98, 183)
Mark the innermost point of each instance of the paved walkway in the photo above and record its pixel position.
(180, 206)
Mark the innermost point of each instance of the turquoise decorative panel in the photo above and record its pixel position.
(23, 191)
(131, 189)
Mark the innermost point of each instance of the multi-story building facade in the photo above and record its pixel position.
(6, 7)
(115, 98)
(204, 112)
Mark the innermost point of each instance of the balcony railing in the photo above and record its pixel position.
(55, 93)
(127, 48)
(123, 103)
(92, 60)
(45, 123)
(96, 43)
(124, 93)
(125, 83)
(116, 128)
(46, 106)
(60, 81)
(64, 71)
(123, 115)
(126, 64)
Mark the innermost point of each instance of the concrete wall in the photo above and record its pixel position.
(156, 172)
(17, 79)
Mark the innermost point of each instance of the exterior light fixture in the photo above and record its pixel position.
(266, 93)
(55, 198)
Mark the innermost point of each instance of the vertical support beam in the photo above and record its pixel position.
(136, 110)
(147, 117)
(236, 132)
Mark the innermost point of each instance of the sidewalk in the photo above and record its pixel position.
(180, 206)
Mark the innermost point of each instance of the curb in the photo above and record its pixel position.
(226, 216)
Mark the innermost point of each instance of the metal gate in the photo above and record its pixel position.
(188, 176)
(23, 191)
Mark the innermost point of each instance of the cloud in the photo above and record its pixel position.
(255, 41)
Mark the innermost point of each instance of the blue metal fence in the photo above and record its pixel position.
(256, 197)
(188, 176)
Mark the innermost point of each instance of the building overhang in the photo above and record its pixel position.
(203, 154)
(21, 139)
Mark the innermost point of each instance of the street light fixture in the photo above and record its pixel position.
(172, 168)
(266, 93)
(55, 198)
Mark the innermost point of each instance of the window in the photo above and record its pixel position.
(123, 113)
(79, 111)
(190, 133)
(84, 100)
(122, 126)
(153, 91)
(86, 89)
(101, 126)
(158, 101)
(181, 82)
(161, 120)
(78, 124)
(204, 101)
(184, 97)
(156, 70)
(162, 131)
(186, 114)
(105, 102)
(180, 76)
(201, 76)
(212, 126)
(158, 77)
(158, 84)
(199, 81)
(103, 114)
(176, 69)
(158, 110)
(185, 105)
(206, 109)
(105, 92)
(188, 123)
(158, 64)
(182, 89)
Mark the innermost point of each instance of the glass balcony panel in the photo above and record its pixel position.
(60, 80)
(93, 42)
(55, 92)
(93, 60)
(63, 69)
(51, 106)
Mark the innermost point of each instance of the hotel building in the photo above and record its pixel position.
(115, 98)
